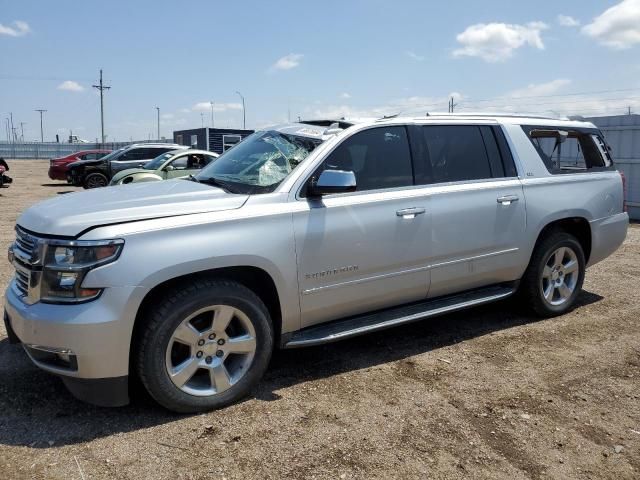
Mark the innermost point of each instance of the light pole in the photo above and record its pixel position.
(202, 119)
(212, 124)
(22, 124)
(244, 112)
(158, 109)
(41, 110)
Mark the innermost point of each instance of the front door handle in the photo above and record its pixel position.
(508, 199)
(410, 212)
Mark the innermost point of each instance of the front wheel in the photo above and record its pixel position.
(555, 275)
(95, 180)
(205, 346)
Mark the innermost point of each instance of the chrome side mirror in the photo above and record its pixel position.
(332, 181)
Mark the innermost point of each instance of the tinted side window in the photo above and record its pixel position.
(456, 153)
(379, 157)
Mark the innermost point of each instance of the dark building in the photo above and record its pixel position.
(213, 139)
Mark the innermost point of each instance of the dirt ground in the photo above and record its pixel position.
(487, 393)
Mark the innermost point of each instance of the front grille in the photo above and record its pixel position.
(27, 243)
(22, 282)
(26, 260)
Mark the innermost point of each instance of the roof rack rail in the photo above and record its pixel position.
(496, 114)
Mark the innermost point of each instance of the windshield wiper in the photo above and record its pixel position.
(213, 182)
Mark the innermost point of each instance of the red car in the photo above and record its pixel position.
(58, 166)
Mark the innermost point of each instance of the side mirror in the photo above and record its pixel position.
(332, 181)
(169, 168)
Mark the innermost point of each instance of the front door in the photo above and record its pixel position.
(369, 249)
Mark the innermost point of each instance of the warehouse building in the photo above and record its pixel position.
(622, 133)
(216, 140)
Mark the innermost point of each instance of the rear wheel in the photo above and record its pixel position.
(205, 346)
(95, 180)
(555, 275)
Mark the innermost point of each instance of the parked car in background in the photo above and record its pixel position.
(58, 167)
(305, 234)
(4, 178)
(174, 164)
(98, 173)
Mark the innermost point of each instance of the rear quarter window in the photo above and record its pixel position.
(570, 150)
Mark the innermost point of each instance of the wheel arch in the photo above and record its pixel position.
(577, 226)
(254, 278)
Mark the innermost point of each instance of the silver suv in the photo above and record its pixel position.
(304, 234)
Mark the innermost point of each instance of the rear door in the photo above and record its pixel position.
(477, 207)
(132, 158)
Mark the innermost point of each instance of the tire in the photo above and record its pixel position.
(95, 180)
(543, 284)
(177, 353)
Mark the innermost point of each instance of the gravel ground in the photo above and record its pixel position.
(487, 393)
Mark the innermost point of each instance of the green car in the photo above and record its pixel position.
(173, 164)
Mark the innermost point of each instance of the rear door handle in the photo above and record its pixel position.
(508, 199)
(410, 212)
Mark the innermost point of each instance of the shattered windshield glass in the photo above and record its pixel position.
(259, 163)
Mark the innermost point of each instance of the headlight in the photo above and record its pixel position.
(68, 262)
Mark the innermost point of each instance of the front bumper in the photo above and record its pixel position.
(97, 333)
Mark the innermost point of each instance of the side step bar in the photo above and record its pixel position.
(371, 322)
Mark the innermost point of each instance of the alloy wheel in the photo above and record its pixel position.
(210, 350)
(560, 276)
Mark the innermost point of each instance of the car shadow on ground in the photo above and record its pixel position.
(37, 411)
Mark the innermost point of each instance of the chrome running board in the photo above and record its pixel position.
(372, 322)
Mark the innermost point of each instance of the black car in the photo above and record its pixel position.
(98, 173)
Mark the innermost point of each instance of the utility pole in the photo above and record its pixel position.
(244, 112)
(158, 109)
(13, 130)
(212, 124)
(22, 124)
(41, 110)
(101, 88)
(452, 105)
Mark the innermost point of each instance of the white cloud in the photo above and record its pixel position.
(70, 86)
(538, 89)
(406, 105)
(567, 21)
(618, 27)
(345, 95)
(414, 56)
(217, 107)
(287, 62)
(18, 29)
(167, 116)
(496, 42)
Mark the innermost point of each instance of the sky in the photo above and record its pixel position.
(353, 58)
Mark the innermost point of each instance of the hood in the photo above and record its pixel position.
(130, 171)
(82, 163)
(68, 215)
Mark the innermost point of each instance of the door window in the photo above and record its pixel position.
(379, 157)
(457, 153)
(180, 163)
